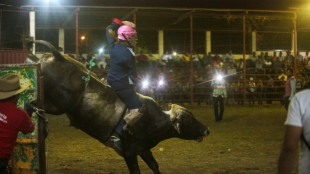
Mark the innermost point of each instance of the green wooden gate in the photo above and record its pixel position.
(29, 152)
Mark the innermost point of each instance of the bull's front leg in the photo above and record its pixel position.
(132, 164)
(149, 159)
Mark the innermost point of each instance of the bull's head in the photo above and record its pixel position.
(186, 125)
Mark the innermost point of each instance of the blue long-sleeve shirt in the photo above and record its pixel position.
(122, 59)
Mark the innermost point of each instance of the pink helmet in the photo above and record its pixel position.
(126, 31)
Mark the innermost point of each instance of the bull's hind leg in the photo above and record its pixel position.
(149, 159)
(132, 164)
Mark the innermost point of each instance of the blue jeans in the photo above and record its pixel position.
(127, 94)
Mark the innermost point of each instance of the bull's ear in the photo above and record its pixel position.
(177, 127)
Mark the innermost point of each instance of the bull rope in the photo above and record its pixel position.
(87, 77)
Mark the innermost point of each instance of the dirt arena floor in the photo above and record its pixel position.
(247, 141)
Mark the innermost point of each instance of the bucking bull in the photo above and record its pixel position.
(93, 107)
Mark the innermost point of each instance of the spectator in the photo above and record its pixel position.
(167, 59)
(240, 65)
(274, 56)
(253, 57)
(240, 90)
(259, 65)
(281, 56)
(219, 93)
(251, 88)
(269, 89)
(266, 56)
(142, 59)
(187, 57)
(306, 58)
(260, 91)
(217, 63)
(297, 125)
(207, 59)
(277, 66)
(299, 61)
(290, 88)
(268, 65)
(288, 61)
(12, 119)
(299, 57)
(229, 57)
(153, 62)
(196, 59)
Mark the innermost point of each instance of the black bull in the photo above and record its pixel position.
(93, 107)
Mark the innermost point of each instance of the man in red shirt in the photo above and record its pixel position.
(12, 119)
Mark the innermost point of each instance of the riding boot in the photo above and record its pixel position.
(115, 142)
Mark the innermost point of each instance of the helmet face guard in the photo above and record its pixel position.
(125, 33)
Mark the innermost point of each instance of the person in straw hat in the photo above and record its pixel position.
(12, 119)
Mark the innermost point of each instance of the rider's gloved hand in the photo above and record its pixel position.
(29, 108)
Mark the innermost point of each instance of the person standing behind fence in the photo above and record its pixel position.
(251, 89)
(12, 119)
(297, 124)
(290, 87)
(219, 93)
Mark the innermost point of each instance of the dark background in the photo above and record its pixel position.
(226, 32)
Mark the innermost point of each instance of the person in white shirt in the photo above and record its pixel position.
(296, 124)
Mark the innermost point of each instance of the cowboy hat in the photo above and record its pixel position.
(10, 86)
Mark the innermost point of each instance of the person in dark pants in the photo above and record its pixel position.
(290, 88)
(219, 93)
(12, 119)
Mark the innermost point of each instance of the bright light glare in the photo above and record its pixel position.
(219, 77)
(100, 50)
(174, 53)
(83, 37)
(145, 84)
(161, 82)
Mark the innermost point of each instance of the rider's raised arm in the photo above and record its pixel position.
(111, 31)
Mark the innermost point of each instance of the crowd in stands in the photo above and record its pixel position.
(263, 75)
